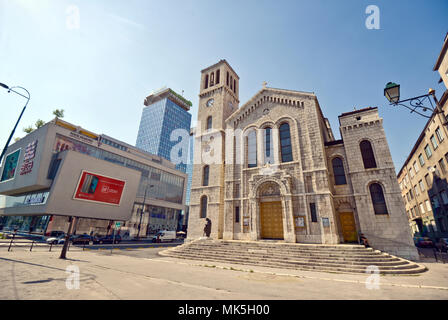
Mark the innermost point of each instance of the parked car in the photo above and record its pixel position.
(442, 245)
(82, 239)
(56, 240)
(56, 234)
(108, 239)
(164, 235)
(423, 242)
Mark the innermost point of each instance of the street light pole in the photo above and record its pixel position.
(20, 117)
(142, 210)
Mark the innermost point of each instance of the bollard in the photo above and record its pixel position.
(32, 243)
(435, 253)
(12, 239)
(51, 244)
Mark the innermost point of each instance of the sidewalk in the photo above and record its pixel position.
(41, 275)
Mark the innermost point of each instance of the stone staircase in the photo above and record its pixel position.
(310, 257)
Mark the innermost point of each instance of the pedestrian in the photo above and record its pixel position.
(364, 240)
(208, 227)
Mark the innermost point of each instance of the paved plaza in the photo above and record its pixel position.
(143, 274)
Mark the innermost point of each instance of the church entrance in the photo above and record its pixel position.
(348, 227)
(271, 220)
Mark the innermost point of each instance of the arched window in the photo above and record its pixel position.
(203, 213)
(205, 175)
(206, 82)
(378, 200)
(234, 85)
(209, 123)
(227, 82)
(338, 171)
(252, 149)
(217, 76)
(231, 82)
(285, 143)
(212, 79)
(367, 154)
(268, 146)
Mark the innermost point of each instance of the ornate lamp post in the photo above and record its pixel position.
(28, 97)
(419, 104)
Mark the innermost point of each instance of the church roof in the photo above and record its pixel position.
(259, 94)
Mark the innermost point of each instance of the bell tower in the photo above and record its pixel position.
(218, 99)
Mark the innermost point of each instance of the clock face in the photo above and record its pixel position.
(210, 102)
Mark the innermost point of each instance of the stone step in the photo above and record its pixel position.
(286, 248)
(373, 259)
(306, 267)
(299, 260)
(290, 253)
(312, 257)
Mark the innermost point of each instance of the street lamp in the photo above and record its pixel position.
(11, 89)
(143, 209)
(417, 104)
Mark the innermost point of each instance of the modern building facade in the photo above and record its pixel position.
(165, 118)
(61, 170)
(272, 169)
(423, 176)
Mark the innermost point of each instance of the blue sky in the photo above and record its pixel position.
(101, 72)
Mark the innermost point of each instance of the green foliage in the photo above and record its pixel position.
(39, 123)
(28, 129)
(59, 113)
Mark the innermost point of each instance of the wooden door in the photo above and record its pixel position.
(271, 219)
(348, 227)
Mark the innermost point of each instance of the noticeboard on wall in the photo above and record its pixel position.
(299, 222)
(10, 166)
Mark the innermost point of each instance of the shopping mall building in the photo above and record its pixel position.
(61, 170)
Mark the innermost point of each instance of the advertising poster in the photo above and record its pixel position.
(98, 188)
(10, 166)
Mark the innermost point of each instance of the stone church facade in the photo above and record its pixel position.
(272, 169)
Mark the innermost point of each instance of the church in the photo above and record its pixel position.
(271, 170)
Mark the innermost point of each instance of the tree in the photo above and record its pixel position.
(39, 123)
(28, 129)
(59, 113)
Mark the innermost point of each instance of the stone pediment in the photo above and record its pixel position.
(269, 95)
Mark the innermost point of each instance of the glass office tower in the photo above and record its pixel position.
(164, 112)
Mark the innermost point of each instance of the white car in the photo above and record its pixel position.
(164, 235)
(56, 240)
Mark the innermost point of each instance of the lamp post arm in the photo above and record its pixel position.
(18, 120)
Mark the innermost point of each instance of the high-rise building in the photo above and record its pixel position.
(165, 112)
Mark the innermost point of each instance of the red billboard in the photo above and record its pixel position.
(98, 188)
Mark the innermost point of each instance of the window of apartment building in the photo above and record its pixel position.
(421, 160)
(435, 202)
(237, 214)
(417, 192)
(439, 134)
(416, 167)
(422, 208)
(411, 193)
(428, 151)
(442, 166)
(428, 206)
(422, 186)
(411, 172)
(444, 196)
(417, 212)
(442, 224)
(408, 196)
(434, 142)
(428, 181)
(412, 213)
